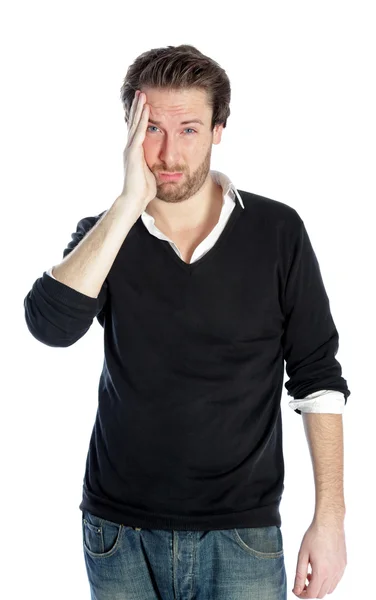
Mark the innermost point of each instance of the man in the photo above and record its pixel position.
(203, 292)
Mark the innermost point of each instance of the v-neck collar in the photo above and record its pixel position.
(189, 267)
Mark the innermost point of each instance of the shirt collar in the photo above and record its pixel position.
(229, 189)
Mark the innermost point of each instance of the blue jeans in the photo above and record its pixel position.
(129, 563)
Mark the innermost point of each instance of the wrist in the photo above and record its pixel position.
(330, 516)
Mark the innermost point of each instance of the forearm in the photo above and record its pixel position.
(87, 266)
(324, 433)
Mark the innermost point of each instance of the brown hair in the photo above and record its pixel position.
(178, 67)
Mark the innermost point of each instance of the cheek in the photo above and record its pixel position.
(149, 151)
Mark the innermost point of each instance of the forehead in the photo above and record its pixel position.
(173, 104)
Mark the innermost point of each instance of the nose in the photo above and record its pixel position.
(169, 153)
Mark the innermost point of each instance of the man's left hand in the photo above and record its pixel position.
(324, 547)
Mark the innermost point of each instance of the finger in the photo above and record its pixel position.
(131, 111)
(314, 585)
(133, 108)
(324, 589)
(138, 111)
(333, 585)
(137, 132)
(136, 119)
(142, 124)
(301, 574)
(302, 591)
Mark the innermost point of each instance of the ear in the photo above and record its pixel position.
(217, 133)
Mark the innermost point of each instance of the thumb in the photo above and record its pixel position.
(301, 573)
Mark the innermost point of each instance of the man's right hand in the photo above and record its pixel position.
(140, 186)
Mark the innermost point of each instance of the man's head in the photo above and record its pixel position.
(180, 84)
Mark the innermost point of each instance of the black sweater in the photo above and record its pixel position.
(188, 432)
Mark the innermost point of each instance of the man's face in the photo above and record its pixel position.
(171, 147)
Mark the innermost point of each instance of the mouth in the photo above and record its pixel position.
(170, 176)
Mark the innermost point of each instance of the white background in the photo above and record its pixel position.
(301, 131)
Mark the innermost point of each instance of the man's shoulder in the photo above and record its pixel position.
(267, 207)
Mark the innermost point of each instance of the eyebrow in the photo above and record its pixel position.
(182, 123)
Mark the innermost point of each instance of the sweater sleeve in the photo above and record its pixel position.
(323, 401)
(310, 339)
(56, 314)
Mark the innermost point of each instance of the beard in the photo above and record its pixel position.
(186, 186)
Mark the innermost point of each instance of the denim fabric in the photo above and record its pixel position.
(129, 563)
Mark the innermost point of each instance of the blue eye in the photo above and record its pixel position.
(184, 129)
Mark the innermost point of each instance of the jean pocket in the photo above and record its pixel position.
(100, 537)
(261, 542)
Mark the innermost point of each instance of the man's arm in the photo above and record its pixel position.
(324, 433)
(323, 545)
(310, 339)
(310, 344)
